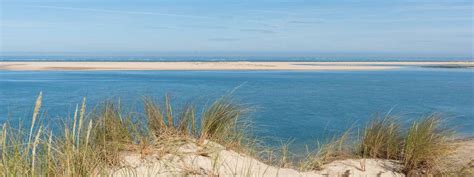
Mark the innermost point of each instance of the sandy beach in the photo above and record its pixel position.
(316, 66)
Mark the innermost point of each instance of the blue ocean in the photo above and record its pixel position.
(285, 105)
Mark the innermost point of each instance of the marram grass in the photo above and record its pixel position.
(381, 138)
(337, 148)
(90, 145)
(425, 144)
(420, 149)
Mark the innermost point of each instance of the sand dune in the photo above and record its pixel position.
(223, 162)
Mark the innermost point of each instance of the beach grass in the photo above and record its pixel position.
(336, 148)
(425, 144)
(91, 143)
(284, 160)
(419, 150)
(221, 123)
(381, 138)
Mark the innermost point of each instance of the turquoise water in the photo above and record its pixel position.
(304, 106)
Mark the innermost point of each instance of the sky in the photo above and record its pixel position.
(371, 27)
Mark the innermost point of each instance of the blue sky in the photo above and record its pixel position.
(404, 27)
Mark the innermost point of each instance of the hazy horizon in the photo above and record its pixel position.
(247, 55)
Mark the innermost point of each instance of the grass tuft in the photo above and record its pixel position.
(112, 132)
(222, 122)
(334, 149)
(381, 138)
(425, 144)
(285, 155)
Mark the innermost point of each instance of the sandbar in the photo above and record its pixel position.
(230, 65)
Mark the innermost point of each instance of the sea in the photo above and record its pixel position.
(303, 107)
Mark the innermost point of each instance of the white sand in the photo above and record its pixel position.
(222, 162)
(220, 65)
(212, 159)
(462, 159)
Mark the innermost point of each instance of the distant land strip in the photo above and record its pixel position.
(231, 65)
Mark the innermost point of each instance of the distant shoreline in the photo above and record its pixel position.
(225, 65)
(220, 59)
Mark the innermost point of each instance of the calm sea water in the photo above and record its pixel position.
(304, 106)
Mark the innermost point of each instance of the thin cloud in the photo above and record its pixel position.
(159, 27)
(416, 19)
(224, 39)
(206, 26)
(123, 12)
(263, 31)
(280, 12)
(37, 24)
(305, 22)
(437, 7)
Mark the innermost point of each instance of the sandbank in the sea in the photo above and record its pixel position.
(238, 65)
